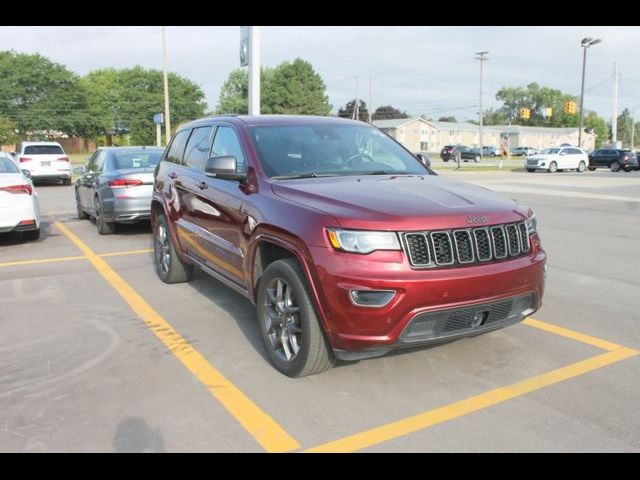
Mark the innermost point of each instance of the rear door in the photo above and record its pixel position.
(87, 180)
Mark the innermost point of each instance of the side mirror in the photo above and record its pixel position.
(424, 159)
(224, 167)
(78, 170)
(26, 173)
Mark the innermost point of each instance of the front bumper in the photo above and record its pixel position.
(430, 295)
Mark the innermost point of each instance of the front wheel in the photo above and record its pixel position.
(476, 158)
(615, 166)
(553, 167)
(289, 326)
(531, 170)
(169, 266)
(582, 166)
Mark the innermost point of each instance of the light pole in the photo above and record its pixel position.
(585, 43)
(481, 57)
(165, 80)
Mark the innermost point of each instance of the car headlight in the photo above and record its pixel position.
(362, 241)
(532, 224)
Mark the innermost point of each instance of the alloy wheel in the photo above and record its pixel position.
(163, 249)
(282, 319)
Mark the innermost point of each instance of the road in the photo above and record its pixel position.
(96, 354)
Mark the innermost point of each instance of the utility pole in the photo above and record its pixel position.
(254, 70)
(482, 58)
(370, 107)
(614, 118)
(355, 115)
(167, 125)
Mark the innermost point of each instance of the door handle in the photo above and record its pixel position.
(173, 175)
(202, 185)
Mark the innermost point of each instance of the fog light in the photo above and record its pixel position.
(371, 298)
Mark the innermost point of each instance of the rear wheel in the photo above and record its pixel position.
(582, 166)
(66, 181)
(290, 328)
(531, 170)
(615, 166)
(553, 167)
(169, 266)
(80, 213)
(104, 228)
(476, 158)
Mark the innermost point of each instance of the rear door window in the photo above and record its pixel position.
(198, 148)
(176, 151)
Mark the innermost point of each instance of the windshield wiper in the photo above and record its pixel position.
(303, 175)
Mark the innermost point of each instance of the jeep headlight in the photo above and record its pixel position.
(532, 224)
(362, 241)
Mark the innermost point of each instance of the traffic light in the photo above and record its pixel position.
(570, 107)
(525, 113)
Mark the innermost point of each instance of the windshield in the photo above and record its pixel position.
(7, 166)
(43, 150)
(328, 150)
(550, 151)
(140, 159)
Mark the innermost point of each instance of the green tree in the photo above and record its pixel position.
(388, 112)
(625, 124)
(296, 88)
(347, 111)
(598, 125)
(8, 133)
(234, 93)
(40, 96)
(126, 100)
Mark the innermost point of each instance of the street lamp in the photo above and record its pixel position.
(585, 43)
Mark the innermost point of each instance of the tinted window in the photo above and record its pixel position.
(100, 161)
(330, 150)
(8, 166)
(177, 146)
(197, 152)
(43, 150)
(227, 143)
(574, 151)
(135, 159)
(91, 164)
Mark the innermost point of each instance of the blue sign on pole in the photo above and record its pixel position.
(158, 118)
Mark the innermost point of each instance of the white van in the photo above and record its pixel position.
(45, 161)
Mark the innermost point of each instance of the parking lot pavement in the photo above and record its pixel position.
(104, 357)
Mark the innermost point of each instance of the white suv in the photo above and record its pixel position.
(45, 161)
(557, 159)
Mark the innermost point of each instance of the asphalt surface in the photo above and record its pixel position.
(82, 370)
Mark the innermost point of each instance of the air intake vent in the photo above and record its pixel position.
(464, 246)
(442, 249)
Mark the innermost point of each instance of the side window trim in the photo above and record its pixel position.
(168, 149)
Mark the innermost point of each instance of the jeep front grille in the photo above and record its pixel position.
(466, 246)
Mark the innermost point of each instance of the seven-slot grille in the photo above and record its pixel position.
(465, 246)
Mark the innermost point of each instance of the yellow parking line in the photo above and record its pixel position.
(572, 334)
(259, 424)
(127, 252)
(42, 260)
(448, 412)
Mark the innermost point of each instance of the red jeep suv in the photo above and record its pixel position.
(348, 245)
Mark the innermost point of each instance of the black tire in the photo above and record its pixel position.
(582, 166)
(476, 158)
(66, 182)
(615, 167)
(82, 215)
(168, 265)
(104, 228)
(591, 169)
(32, 234)
(553, 167)
(314, 355)
(531, 170)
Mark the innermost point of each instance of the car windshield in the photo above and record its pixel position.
(136, 159)
(330, 150)
(8, 166)
(43, 150)
(550, 151)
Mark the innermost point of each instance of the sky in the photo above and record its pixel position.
(422, 70)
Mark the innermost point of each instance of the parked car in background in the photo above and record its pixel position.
(523, 151)
(556, 159)
(490, 151)
(19, 208)
(344, 240)
(115, 186)
(449, 152)
(45, 161)
(614, 159)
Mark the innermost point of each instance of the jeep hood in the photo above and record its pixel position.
(403, 202)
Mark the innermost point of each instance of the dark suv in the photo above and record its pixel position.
(449, 152)
(348, 245)
(614, 159)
